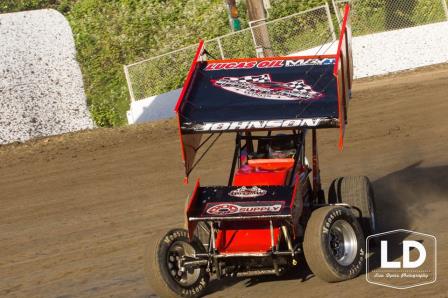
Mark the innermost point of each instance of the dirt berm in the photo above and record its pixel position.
(77, 210)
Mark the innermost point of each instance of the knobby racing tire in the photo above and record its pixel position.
(162, 267)
(334, 245)
(357, 192)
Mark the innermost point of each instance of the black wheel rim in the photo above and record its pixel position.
(176, 254)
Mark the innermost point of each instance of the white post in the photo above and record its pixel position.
(253, 33)
(336, 11)
(221, 51)
(256, 47)
(330, 21)
(128, 80)
(445, 8)
(259, 52)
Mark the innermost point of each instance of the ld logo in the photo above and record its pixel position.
(401, 259)
(407, 263)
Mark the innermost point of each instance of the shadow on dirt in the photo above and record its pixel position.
(402, 199)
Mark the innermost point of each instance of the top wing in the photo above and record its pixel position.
(265, 94)
(268, 93)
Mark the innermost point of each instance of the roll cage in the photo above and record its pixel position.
(245, 149)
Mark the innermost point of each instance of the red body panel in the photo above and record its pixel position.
(257, 237)
(247, 240)
(343, 74)
(189, 75)
(251, 177)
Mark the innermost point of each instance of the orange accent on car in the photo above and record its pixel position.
(272, 164)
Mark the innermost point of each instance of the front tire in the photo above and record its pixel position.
(334, 245)
(162, 266)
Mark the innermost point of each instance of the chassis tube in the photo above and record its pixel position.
(288, 239)
(316, 171)
(235, 157)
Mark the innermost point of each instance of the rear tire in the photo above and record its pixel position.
(161, 267)
(357, 192)
(334, 245)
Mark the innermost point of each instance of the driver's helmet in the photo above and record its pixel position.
(281, 147)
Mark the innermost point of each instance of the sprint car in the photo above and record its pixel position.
(273, 213)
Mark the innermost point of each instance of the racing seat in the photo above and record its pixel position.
(261, 168)
(264, 172)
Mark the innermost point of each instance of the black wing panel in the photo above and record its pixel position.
(261, 94)
(252, 202)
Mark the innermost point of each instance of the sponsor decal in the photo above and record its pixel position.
(263, 87)
(223, 209)
(401, 259)
(244, 192)
(243, 208)
(213, 66)
(251, 125)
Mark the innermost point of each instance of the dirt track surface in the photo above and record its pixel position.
(77, 210)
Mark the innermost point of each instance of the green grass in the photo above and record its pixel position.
(109, 34)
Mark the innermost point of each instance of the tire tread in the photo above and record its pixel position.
(355, 191)
(152, 269)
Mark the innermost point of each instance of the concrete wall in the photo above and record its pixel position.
(153, 108)
(41, 87)
(375, 54)
(392, 51)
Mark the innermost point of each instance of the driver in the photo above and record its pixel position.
(281, 147)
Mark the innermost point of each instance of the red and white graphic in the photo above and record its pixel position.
(244, 192)
(262, 86)
(229, 208)
(223, 209)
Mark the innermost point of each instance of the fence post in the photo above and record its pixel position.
(128, 81)
(253, 38)
(253, 33)
(259, 52)
(336, 11)
(330, 21)
(221, 51)
(445, 8)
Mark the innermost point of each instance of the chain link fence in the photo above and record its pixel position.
(158, 74)
(280, 37)
(373, 16)
(297, 32)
